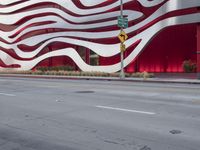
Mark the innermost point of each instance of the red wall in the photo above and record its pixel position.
(168, 50)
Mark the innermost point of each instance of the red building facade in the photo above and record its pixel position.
(83, 34)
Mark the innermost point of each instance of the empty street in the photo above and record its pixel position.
(50, 114)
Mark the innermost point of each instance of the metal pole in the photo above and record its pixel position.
(122, 76)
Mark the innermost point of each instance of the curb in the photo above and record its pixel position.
(150, 80)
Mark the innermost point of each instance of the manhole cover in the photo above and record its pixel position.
(175, 132)
(84, 92)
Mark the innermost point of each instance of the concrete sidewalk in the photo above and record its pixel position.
(152, 80)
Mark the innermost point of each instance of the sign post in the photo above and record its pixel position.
(122, 23)
(122, 75)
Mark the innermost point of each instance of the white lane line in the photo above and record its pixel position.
(6, 94)
(126, 110)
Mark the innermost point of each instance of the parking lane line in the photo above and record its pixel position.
(126, 110)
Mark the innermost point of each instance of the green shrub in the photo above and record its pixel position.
(189, 66)
(63, 72)
(144, 75)
(55, 68)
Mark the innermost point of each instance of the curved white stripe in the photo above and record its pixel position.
(100, 49)
(147, 3)
(8, 2)
(60, 23)
(67, 4)
(87, 3)
(27, 65)
(13, 18)
(167, 7)
(170, 6)
(90, 3)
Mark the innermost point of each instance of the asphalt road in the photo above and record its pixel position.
(43, 114)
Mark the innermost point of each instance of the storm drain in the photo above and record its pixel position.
(175, 132)
(84, 92)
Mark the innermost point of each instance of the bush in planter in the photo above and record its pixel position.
(144, 75)
(189, 66)
(55, 68)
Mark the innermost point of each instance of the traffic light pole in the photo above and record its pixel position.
(122, 76)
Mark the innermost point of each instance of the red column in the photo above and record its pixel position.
(198, 48)
(87, 56)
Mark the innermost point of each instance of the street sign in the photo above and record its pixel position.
(122, 22)
(122, 36)
(122, 47)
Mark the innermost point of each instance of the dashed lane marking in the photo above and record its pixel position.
(126, 110)
(6, 94)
